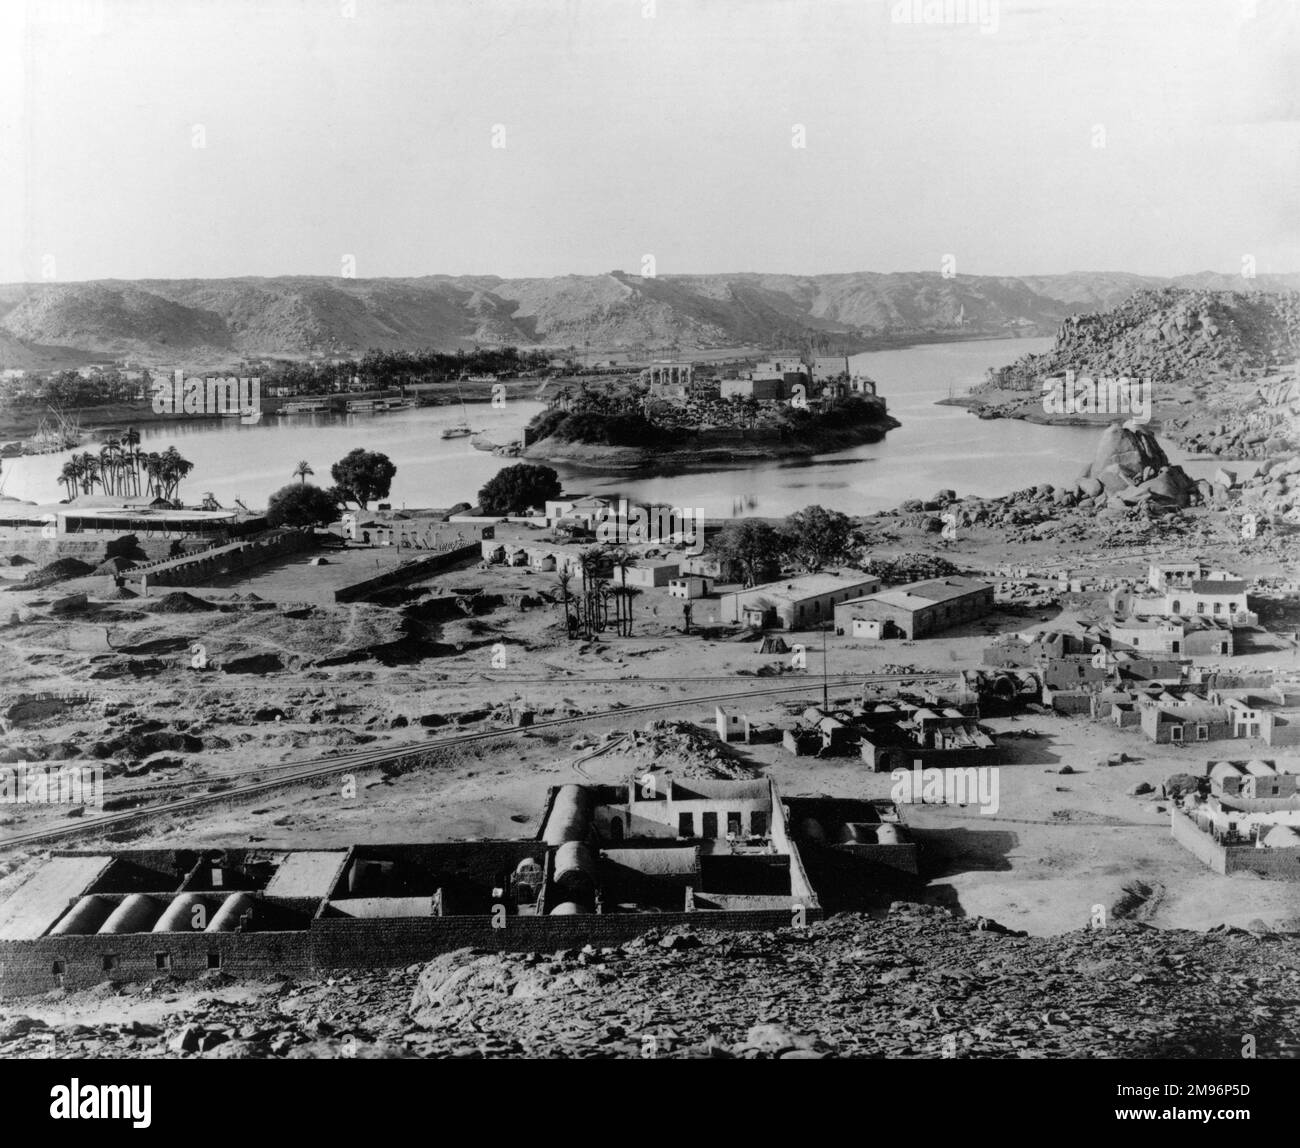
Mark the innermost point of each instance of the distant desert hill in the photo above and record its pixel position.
(155, 320)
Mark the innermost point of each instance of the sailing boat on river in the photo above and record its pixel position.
(462, 429)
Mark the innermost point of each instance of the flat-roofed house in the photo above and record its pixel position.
(1182, 722)
(648, 573)
(1223, 599)
(688, 586)
(797, 604)
(1254, 779)
(919, 608)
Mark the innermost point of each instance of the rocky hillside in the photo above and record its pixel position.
(1167, 335)
(917, 983)
(217, 319)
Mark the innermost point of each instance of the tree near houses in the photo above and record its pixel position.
(132, 460)
(302, 470)
(518, 488)
(753, 545)
(69, 476)
(590, 561)
(108, 464)
(172, 468)
(815, 537)
(87, 471)
(363, 475)
(301, 505)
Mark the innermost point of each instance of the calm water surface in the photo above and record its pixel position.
(936, 447)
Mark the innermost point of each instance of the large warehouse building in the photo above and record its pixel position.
(796, 604)
(915, 610)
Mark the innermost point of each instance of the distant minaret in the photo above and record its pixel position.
(961, 316)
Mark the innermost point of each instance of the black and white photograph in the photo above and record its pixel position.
(649, 530)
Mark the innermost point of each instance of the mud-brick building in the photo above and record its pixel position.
(1183, 722)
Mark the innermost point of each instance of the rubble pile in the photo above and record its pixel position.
(684, 749)
(178, 602)
(918, 983)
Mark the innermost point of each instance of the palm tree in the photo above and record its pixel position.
(589, 563)
(69, 475)
(131, 459)
(302, 470)
(172, 469)
(109, 463)
(89, 471)
(622, 560)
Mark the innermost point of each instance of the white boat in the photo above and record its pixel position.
(462, 429)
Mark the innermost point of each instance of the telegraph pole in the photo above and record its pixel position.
(826, 703)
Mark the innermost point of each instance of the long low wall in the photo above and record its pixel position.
(41, 551)
(29, 966)
(201, 568)
(407, 572)
(1229, 859)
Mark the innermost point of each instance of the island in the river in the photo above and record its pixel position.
(639, 424)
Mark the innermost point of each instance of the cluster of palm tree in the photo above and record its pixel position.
(590, 610)
(122, 468)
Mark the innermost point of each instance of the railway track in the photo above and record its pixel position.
(313, 769)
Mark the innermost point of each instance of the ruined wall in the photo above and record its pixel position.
(1265, 862)
(27, 966)
(350, 943)
(406, 573)
(202, 568)
(1202, 845)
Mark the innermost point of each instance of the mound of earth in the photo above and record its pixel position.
(686, 751)
(253, 664)
(178, 602)
(140, 745)
(129, 668)
(59, 570)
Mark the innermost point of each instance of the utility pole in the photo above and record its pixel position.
(826, 702)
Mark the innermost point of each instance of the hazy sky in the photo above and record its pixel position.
(646, 127)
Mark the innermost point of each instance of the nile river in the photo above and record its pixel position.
(936, 447)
